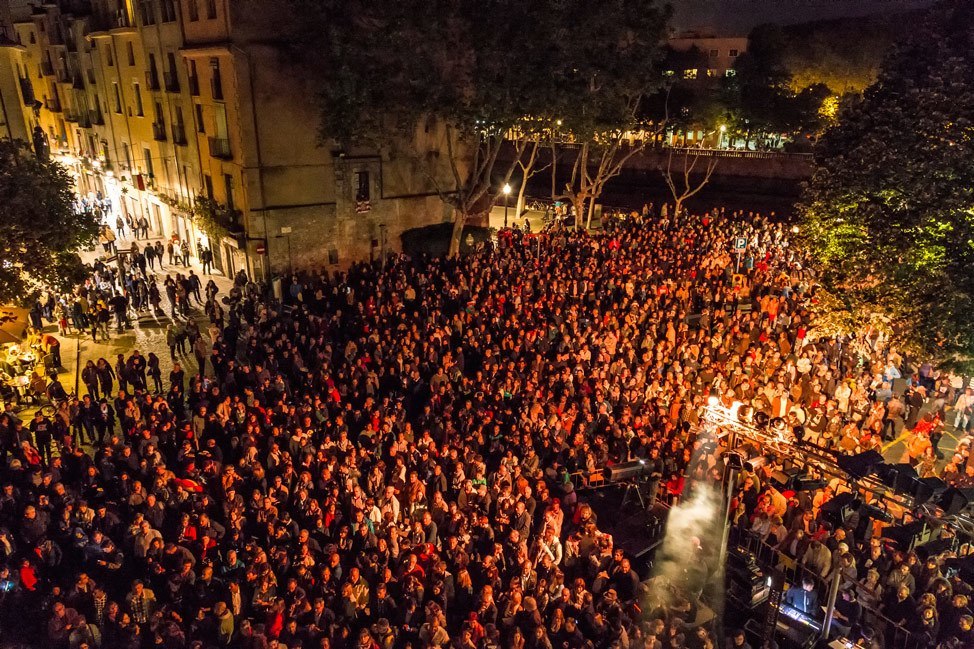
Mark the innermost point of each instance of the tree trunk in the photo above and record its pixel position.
(519, 208)
(677, 207)
(459, 220)
(591, 212)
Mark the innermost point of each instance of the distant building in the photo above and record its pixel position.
(156, 102)
(719, 53)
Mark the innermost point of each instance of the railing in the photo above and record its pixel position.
(220, 148)
(171, 80)
(735, 153)
(895, 636)
(96, 117)
(159, 131)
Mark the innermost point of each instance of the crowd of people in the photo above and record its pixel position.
(387, 459)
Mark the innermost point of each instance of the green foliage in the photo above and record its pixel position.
(844, 55)
(889, 212)
(40, 232)
(215, 219)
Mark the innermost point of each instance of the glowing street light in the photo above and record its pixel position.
(506, 190)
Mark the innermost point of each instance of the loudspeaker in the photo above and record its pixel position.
(932, 549)
(954, 501)
(928, 489)
(785, 479)
(907, 537)
(837, 510)
(861, 464)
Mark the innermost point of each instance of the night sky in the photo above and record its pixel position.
(737, 17)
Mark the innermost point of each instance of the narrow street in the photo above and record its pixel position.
(148, 331)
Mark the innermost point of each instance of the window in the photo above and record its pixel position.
(730, 73)
(148, 162)
(168, 11)
(217, 79)
(668, 73)
(147, 12)
(138, 101)
(200, 128)
(194, 11)
(711, 72)
(110, 56)
(733, 53)
(194, 80)
(362, 182)
(714, 53)
(153, 73)
(208, 186)
(118, 99)
(33, 38)
(159, 115)
(690, 74)
(131, 52)
(211, 9)
(228, 188)
(128, 155)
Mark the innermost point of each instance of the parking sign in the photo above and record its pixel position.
(740, 244)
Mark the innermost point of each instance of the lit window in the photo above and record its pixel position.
(730, 73)
(711, 72)
(733, 53)
(668, 73)
(690, 74)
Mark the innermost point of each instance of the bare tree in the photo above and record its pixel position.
(682, 182)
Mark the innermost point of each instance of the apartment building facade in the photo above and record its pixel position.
(157, 103)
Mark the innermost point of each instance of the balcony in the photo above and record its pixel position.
(27, 90)
(220, 148)
(194, 86)
(152, 79)
(96, 117)
(62, 76)
(71, 116)
(47, 68)
(171, 80)
(52, 105)
(179, 134)
(159, 131)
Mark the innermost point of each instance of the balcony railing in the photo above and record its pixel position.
(179, 134)
(172, 81)
(194, 86)
(220, 148)
(159, 131)
(96, 117)
(152, 79)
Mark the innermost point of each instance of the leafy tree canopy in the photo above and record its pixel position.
(40, 232)
(889, 211)
(386, 65)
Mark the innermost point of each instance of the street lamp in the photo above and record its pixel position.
(507, 192)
